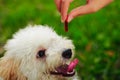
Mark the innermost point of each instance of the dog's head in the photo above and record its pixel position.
(42, 53)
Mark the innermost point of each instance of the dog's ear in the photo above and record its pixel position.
(9, 69)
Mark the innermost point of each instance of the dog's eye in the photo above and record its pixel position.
(41, 54)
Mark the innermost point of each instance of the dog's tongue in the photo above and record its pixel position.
(72, 65)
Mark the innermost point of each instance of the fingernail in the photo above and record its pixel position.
(70, 18)
(62, 20)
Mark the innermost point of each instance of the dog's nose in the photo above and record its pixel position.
(67, 53)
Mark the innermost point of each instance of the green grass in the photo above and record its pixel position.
(96, 36)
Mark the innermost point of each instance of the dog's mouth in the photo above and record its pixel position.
(66, 70)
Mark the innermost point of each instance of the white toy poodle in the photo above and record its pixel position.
(38, 53)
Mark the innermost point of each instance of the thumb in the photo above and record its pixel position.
(82, 10)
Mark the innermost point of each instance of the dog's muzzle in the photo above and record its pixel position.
(66, 70)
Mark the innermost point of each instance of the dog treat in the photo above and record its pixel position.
(72, 65)
(66, 24)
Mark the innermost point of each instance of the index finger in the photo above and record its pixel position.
(58, 4)
(64, 9)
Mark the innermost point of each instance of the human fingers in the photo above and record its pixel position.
(91, 7)
(64, 9)
(58, 4)
(79, 11)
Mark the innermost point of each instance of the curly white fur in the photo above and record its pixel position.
(20, 62)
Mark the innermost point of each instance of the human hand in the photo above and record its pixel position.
(91, 7)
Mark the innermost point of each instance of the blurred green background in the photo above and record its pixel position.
(96, 36)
